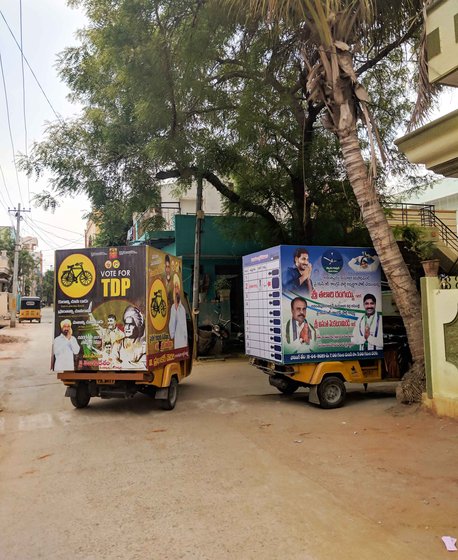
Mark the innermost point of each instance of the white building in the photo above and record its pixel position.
(174, 201)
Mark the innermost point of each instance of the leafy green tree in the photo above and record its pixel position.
(26, 262)
(332, 32)
(177, 89)
(47, 287)
(265, 108)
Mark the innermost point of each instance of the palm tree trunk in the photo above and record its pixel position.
(404, 290)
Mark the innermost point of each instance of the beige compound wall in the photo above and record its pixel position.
(440, 326)
(4, 304)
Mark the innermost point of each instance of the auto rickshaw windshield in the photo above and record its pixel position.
(30, 303)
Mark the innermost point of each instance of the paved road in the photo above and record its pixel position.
(236, 471)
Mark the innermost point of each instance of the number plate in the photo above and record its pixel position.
(105, 381)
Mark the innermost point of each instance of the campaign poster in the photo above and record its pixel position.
(262, 304)
(100, 309)
(312, 303)
(331, 304)
(166, 315)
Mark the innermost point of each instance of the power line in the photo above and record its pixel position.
(74, 241)
(17, 247)
(8, 213)
(47, 231)
(46, 241)
(3, 199)
(52, 243)
(6, 187)
(3, 204)
(23, 97)
(9, 126)
(63, 246)
(57, 227)
(30, 68)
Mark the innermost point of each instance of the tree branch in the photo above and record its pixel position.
(228, 193)
(234, 74)
(283, 164)
(415, 26)
(241, 202)
(168, 73)
(228, 61)
(210, 110)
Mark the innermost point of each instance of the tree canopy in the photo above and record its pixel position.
(332, 34)
(266, 100)
(26, 262)
(174, 88)
(47, 288)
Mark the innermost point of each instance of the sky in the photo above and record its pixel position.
(48, 26)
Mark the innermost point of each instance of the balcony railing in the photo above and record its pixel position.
(402, 214)
(424, 215)
(448, 236)
(167, 210)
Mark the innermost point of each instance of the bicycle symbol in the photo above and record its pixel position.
(74, 273)
(158, 304)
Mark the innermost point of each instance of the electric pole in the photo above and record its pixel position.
(17, 248)
(196, 279)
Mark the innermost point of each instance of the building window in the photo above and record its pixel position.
(433, 43)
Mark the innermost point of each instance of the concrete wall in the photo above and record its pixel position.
(171, 195)
(211, 198)
(5, 272)
(440, 326)
(4, 304)
(89, 233)
(441, 20)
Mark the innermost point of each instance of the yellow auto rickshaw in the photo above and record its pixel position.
(122, 324)
(30, 309)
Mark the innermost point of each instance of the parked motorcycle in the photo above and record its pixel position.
(401, 358)
(211, 339)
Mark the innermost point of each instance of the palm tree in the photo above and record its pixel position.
(332, 32)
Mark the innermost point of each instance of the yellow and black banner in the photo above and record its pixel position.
(100, 309)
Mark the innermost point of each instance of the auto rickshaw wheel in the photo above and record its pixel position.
(331, 392)
(172, 395)
(149, 390)
(82, 397)
(287, 387)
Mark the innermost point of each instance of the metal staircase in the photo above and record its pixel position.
(425, 215)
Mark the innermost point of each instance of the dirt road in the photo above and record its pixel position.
(236, 471)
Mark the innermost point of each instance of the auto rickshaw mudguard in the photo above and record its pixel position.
(170, 370)
(349, 371)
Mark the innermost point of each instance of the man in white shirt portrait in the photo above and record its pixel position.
(178, 328)
(65, 348)
(368, 332)
(300, 335)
